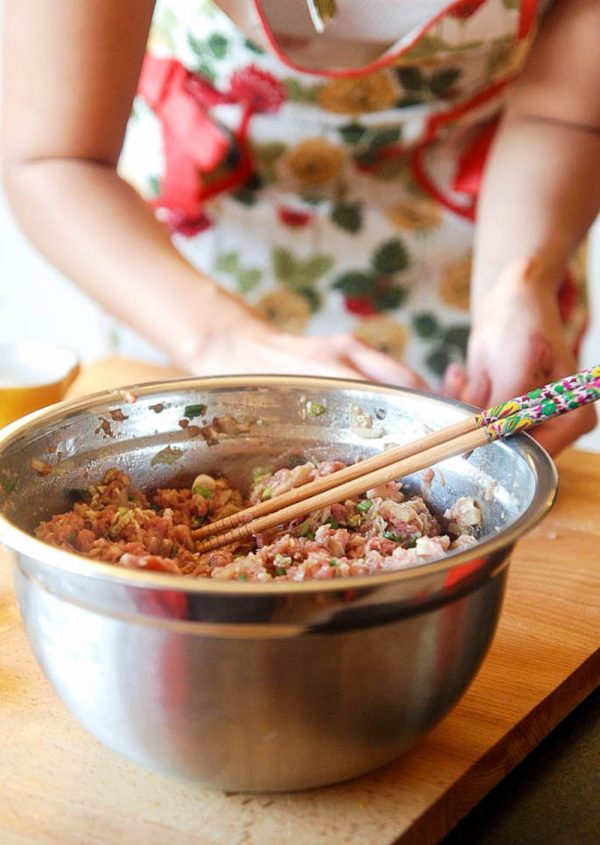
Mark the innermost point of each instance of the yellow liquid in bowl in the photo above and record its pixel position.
(33, 375)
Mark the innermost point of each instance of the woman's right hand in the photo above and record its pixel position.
(257, 347)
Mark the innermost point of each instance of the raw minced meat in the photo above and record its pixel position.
(464, 516)
(382, 531)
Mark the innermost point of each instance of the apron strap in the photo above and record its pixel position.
(194, 143)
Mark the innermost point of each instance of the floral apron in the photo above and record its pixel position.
(333, 201)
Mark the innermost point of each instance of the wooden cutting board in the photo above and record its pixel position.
(59, 786)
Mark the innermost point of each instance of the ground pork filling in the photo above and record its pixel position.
(382, 531)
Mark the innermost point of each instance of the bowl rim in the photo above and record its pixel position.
(18, 540)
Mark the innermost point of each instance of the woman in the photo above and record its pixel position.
(318, 164)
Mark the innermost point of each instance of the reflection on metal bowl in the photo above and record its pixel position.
(248, 686)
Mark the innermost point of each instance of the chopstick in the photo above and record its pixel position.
(552, 390)
(398, 453)
(503, 420)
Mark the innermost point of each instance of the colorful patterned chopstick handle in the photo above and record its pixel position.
(553, 391)
(527, 418)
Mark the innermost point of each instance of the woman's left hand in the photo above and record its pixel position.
(517, 343)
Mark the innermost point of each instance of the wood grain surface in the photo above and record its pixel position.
(59, 786)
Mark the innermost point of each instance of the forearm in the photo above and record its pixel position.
(540, 195)
(99, 232)
(70, 76)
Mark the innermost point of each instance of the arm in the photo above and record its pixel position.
(71, 73)
(540, 195)
(70, 77)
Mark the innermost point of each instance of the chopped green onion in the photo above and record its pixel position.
(364, 506)
(198, 521)
(9, 485)
(168, 455)
(173, 552)
(258, 473)
(191, 411)
(280, 571)
(334, 562)
(315, 409)
(202, 490)
(306, 530)
(242, 577)
(72, 537)
(282, 560)
(331, 521)
(407, 542)
(266, 494)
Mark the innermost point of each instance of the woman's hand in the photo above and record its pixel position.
(252, 346)
(517, 343)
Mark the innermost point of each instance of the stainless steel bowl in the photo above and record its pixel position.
(250, 686)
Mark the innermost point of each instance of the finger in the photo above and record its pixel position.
(555, 435)
(479, 388)
(498, 382)
(380, 367)
(307, 356)
(533, 363)
(454, 382)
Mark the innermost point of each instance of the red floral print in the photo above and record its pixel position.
(257, 89)
(360, 306)
(465, 10)
(179, 223)
(293, 218)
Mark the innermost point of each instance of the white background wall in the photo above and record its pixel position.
(37, 282)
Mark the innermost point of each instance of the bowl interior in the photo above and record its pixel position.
(164, 434)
